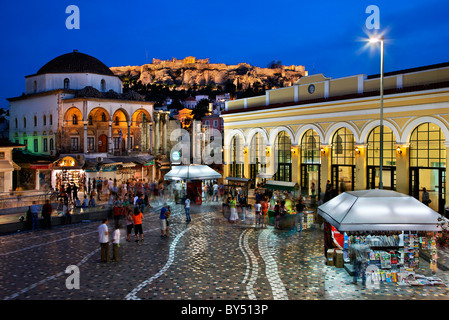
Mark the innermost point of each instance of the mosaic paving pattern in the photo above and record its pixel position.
(208, 259)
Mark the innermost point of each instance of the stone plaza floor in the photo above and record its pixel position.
(207, 259)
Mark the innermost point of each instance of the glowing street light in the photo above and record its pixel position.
(374, 40)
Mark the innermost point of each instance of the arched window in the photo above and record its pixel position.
(237, 157)
(24, 122)
(44, 120)
(427, 149)
(52, 145)
(310, 147)
(343, 147)
(257, 155)
(117, 121)
(373, 148)
(103, 85)
(283, 156)
(74, 119)
(66, 83)
(17, 123)
(103, 117)
(51, 119)
(35, 121)
(35, 86)
(90, 120)
(342, 160)
(373, 159)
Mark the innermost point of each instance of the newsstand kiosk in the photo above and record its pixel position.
(390, 227)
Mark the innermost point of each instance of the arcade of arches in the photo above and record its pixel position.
(116, 133)
(349, 160)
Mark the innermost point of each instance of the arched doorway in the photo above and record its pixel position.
(258, 161)
(343, 166)
(283, 157)
(428, 164)
(237, 161)
(102, 143)
(373, 159)
(310, 162)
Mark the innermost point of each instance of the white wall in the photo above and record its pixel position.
(53, 81)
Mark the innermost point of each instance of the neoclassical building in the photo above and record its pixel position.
(75, 104)
(324, 129)
(74, 110)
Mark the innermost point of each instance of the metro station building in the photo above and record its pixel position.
(323, 129)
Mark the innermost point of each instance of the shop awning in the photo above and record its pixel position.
(192, 172)
(281, 185)
(128, 165)
(233, 179)
(378, 210)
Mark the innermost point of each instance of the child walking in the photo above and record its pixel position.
(115, 242)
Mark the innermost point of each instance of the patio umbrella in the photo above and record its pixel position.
(192, 172)
(378, 210)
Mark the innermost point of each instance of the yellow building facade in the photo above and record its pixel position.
(323, 129)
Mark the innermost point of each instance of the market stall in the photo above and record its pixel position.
(192, 175)
(232, 188)
(283, 191)
(393, 227)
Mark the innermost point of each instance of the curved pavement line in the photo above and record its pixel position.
(247, 262)
(133, 294)
(271, 268)
(254, 268)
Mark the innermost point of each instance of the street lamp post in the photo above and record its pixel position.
(381, 158)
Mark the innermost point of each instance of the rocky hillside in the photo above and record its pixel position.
(189, 72)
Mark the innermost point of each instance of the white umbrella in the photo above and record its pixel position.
(377, 210)
(192, 172)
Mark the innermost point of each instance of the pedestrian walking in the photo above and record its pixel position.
(137, 219)
(425, 197)
(300, 214)
(116, 212)
(234, 216)
(103, 235)
(34, 216)
(47, 209)
(163, 220)
(359, 255)
(243, 204)
(277, 214)
(215, 192)
(258, 210)
(187, 209)
(129, 224)
(115, 242)
(167, 215)
(265, 212)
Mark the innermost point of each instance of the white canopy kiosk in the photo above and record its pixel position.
(379, 210)
(192, 172)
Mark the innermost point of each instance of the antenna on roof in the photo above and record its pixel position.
(75, 50)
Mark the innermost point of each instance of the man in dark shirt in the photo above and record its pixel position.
(47, 209)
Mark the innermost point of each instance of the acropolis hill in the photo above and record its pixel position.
(185, 73)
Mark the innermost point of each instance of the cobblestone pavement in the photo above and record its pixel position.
(207, 259)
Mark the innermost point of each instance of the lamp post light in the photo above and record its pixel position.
(381, 158)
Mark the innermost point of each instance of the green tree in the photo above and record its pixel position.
(201, 109)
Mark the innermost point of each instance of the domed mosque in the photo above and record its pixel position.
(74, 109)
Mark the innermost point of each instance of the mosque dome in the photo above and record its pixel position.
(75, 62)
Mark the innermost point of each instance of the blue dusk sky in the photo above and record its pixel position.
(324, 36)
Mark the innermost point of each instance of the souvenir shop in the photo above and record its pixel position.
(389, 228)
(68, 171)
